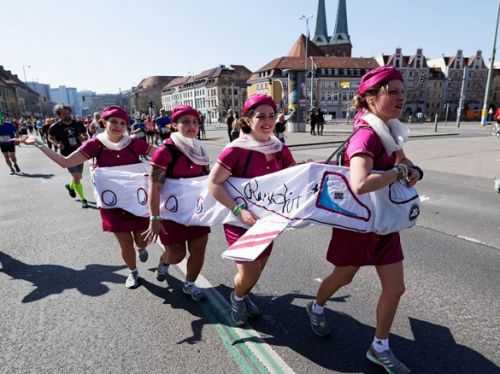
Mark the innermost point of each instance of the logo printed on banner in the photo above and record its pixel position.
(414, 212)
(334, 186)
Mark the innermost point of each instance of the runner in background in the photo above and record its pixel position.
(162, 124)
(68, 135)
(8, 144)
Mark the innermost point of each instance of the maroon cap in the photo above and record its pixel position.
(256, 100)
(182, 110)
(114, 111)
(379, 75)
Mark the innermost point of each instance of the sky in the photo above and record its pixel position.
(108, 45)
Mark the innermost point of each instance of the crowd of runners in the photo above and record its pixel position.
(172, 146)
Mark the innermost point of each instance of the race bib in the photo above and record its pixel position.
(72, 141)
(4, 138)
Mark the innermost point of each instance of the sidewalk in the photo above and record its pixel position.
(336, 132)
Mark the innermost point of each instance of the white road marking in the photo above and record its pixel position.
(472, 240)
(263, 351)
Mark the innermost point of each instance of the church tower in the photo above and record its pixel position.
(339, 44)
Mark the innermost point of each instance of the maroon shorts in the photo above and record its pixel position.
(177, 233)
(349, 248)
(119, 220)
(233, 233)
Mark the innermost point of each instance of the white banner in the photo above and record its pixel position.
(302, 195)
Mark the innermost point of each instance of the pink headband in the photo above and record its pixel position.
(376, 76)
(256, 100)
(114, 111)
(182, 110)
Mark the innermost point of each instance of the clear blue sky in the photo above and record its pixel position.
(104, 45)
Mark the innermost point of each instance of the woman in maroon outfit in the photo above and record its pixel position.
(257, 152)
(113, 147)
(180, 156)
(375, 145)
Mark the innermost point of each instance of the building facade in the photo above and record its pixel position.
(473, 72)
(146, 97)
(17, 97)
(212, 92)
(416, 74)
(67, 96)
(329, 83)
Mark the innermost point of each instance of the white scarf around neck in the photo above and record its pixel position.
(191, 148)
(246, 141)
(393, 134)
(114, 146)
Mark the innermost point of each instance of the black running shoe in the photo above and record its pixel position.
(16, 166)
(85, 204)
(71, 191)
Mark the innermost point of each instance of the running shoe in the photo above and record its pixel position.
(12, 172)
(85, 204)
(387, 360)
(162, 272)
(132, 280)
(239, 312)
(16, 166)
(143, 255)
(252, 308)
(71, 191)
(195, 292)
(319, 325)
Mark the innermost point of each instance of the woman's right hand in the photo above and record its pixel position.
(151, 234)
(247, 217)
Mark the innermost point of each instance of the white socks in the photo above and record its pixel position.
(317, 309)
(380, 345)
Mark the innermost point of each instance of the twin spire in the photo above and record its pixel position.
(341, 33)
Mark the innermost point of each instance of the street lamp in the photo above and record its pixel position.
(484, 112)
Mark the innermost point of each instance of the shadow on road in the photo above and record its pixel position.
(434, 349)
(28, 175)
(172, 295)
(55, 279)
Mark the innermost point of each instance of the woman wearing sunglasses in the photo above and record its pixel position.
(113, 147)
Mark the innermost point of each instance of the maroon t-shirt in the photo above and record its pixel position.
(93, 148)
(244, 163)
(366, 141)
(183, 167)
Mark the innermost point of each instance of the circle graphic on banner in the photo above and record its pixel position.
(172, 205)
(142, 196)
(109, 198)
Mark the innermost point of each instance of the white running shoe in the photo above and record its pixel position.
(132, 280)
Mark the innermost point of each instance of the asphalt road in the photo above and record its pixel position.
(65, 310)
